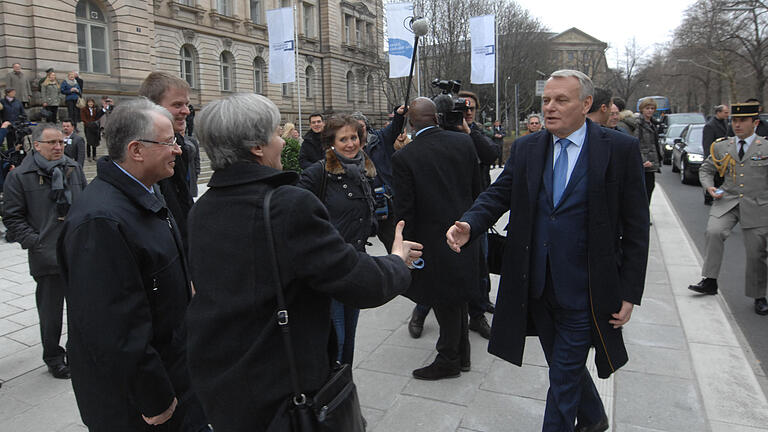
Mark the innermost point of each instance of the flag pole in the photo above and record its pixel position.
(296, 61)
(496, 59)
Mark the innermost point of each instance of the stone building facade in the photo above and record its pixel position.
(574, 49)
(219, 46)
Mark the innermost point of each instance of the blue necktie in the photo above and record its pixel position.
(560, 178)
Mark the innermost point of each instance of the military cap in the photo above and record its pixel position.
(750, 109)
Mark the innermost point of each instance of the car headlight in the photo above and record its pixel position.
(668, 147)
(695, 157)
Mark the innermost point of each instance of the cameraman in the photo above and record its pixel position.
(12, 108)
(487, 150)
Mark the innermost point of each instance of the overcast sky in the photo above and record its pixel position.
(615, 22)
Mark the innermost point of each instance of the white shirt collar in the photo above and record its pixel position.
(577, 137)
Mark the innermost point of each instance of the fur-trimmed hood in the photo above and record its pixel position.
(334, 166)
(628, 116)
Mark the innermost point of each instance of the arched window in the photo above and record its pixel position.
(92, 43)
(187, 65)
(309, 81)
(369, 89)
(227, 74)
(259, 69)
(350, 86)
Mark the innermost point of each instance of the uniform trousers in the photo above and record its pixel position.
(755, 243)
(566, 337)
(49, 297)
(453, 342)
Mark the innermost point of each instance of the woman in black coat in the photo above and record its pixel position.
(343, 181)
(235, 348)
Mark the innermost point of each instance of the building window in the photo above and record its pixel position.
(350, 86)
(259, 69)
(571, 56)
(224, 7)
(369, 32)
(256, 11)
(92, 44)
(309, 20)
(309, 79)
(287, 90)
(227, 76)
(369, 90)
(359, 28)
(349, 23)
(187, 64)
(190, 3)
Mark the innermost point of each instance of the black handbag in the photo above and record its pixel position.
(496, 243)
(333, 408)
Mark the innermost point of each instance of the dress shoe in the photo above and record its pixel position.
(761, 306)
(416, 324)
(480, 325)
(466, 366)
(705, 286)
(60, 371)
(600, 426)
(435, 372)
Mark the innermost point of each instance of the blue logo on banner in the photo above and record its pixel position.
(400, 47)
(288, 45)
(489, 49)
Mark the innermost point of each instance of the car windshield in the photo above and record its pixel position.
(675, 130)
(694, 140)
(686, 118)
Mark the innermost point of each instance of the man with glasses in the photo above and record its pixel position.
(38, 195)
(127, 284)
(534, 123)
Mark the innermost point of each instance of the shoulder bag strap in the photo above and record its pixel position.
(323, 183)
(282, 312)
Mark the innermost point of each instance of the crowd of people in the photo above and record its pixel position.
(172, 304)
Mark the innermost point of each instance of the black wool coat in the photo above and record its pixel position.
(236, 352)
(127, 292)
(311, 150)
(436, 178)
(617, 238)
(345, 197)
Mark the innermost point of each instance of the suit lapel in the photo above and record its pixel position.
(598, 156)
(579, 171)
(537, 157)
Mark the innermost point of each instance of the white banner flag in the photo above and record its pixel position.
(400, 39)
(282, 52)
(482, 31)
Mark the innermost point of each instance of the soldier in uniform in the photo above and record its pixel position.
(743, 162)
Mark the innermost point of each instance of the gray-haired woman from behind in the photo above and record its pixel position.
(236, 352)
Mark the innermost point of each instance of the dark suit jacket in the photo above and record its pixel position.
(76, 150)
(435, 179)
(713, 130)
(617, 237)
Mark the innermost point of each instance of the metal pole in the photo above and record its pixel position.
(418, 74)
(296, 60)
(496, 59)
(506, 105)
(517, 122)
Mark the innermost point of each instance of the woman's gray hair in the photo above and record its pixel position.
(585, 83)
(228, 128)
(131, 121)
(37, 132)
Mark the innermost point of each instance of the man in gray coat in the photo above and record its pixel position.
(38, 194)
(17, 80)
(742, 161)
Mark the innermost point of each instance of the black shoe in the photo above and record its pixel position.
(761, 306)
(466, 366)
(435, 372)
(416, 324)
(60, 371)
(600, 426)
(480, 325)
(705, 286)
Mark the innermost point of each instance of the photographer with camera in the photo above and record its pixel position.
(12, 109)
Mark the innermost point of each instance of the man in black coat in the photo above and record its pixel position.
(128, 285)
(435, 179)
(75, 144)
(575, 262)
(312, 147)
(716, 127)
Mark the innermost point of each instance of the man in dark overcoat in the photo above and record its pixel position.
(435, 178)
(716, 128)
(128, 285)
(575, 262)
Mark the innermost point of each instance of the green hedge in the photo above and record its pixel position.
(290, 155)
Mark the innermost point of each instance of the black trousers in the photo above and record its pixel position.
(650, 184)
(49, 297)
(453, 342)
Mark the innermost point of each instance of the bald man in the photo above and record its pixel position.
(435, 179)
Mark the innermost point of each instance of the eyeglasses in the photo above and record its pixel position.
(54, 142)
(171, 143)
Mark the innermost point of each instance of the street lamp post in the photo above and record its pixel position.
(506, 103)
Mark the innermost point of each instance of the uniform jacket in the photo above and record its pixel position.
(744, 183)
(19, 83)
(616, 238)
(236, 355)
(50, 94)
(76, 149)
(311, 150)
(30, 215)
(348, 205)
(127, 294)
(436, 178)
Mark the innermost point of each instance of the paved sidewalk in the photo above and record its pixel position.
(687, 370)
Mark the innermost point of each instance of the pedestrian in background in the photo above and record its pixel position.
(650, 152)
(90, 114)
(17, 80)
(71, 91)
(51, 95)
(716, 128)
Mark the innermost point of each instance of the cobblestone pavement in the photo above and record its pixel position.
(688, 368)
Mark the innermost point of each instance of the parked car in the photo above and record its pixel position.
(687, 154)
(680, 118)
(668, 141)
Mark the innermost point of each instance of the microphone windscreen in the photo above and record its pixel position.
(420, 27)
